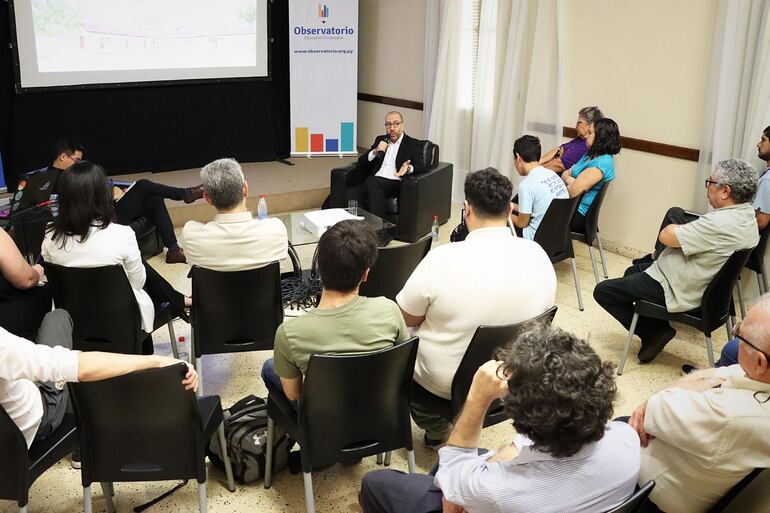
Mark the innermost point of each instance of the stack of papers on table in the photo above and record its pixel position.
(318, 221)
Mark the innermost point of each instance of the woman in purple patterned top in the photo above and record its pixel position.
(565, 156)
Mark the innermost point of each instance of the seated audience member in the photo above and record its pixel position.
(391, 156)
(705, 432)
(22, 302)
(32, 375)
(566, 456)
(140, 199)
(491, 278)
(234, 240)
(694, 254)
(343, 322)
(539, 187)
(761, 202)
(85, 234)
(594, 169)
(565, 156)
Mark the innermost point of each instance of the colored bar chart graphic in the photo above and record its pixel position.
(309, 142)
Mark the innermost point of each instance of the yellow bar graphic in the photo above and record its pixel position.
(301, 137)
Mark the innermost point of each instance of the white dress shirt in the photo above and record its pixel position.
(234, 242)
(115, 244)
(21, 362)
(388, 169)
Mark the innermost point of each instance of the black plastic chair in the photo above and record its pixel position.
(635, 503)
(104, 310)
(351, 406)
(234, 311)
(715, 309)
(756, 263)
(733, 492)
(22, 466)
(393, 267)
(591, 233)
(553, 235)
(144, 426)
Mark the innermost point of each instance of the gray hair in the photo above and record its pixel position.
(740, 176)
(590, 114)
(758, 331)
(223, 182)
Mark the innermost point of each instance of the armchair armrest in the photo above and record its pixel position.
(341, 178)
(423, 196)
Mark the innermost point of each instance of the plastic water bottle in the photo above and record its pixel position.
(54, 204)
(434, 231)
(183, 349)
(262, 208)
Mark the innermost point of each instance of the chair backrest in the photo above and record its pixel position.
(356, 405)
(393, 267)
(236, 311)
(592, 215)
(634, 503)
(102, 305)
(143, 426)
(553, 233)
(757, 257)
(14, 472)
(718, 296)
(481, 349)
(733, 492)
(428, 154)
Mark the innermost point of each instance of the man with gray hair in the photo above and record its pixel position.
(705, 432)
(234, 240)
(694, 254)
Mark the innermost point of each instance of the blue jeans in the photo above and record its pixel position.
(729, 354)
(273, 381)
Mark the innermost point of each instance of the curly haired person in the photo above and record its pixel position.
(566, 456)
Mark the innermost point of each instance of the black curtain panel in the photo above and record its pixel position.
(158, 128)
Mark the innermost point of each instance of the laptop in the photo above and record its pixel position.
(34, 188)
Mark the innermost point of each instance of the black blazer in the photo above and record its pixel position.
(409, 150)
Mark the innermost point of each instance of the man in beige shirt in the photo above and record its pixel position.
(234, 240)
(705, 432)
(694, 254)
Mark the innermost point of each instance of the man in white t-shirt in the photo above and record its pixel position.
(539, 187)
(490, 278)
(234, 240)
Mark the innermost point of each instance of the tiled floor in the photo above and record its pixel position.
(235, 375)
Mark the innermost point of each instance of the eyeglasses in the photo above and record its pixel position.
(394, 124)
(737, 334)
(74, 157)
(709, 181)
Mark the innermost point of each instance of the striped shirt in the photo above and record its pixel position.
(599, 477)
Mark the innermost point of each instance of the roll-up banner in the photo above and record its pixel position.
(323, 67)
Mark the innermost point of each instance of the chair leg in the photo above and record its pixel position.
(739, 291)
(710, 351)
(764, 280)
(269, 455)
(577, 284)
(226, 457)
(601, 255)
(108, 493)
(628, 344)
(202, 499)
(593, 262)
(387, 458)
(410, 462)
(24, 509)
(309, 502)
(88, 506)
(174, 348)
(199, 367)
(379, 458)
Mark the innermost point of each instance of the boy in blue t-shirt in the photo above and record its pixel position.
(539, 187)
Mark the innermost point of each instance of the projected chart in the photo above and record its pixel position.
(307, 142)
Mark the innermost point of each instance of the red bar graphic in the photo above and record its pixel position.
(316, 142)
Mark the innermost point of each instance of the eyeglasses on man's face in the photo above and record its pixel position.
(709, 182)
(394, 124)
(737, 334)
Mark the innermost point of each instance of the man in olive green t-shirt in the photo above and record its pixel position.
(343, 322)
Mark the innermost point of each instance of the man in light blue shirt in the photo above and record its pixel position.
(539, 187)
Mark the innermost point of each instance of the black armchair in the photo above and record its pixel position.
(422, 195)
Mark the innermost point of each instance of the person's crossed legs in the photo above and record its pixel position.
(56, 330)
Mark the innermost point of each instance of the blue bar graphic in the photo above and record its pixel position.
(346, 133)
(332, 145)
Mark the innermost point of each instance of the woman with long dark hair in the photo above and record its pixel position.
(594, 169)
(85, 234)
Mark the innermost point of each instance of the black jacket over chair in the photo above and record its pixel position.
(144, 426)
(351, 406)
(393, 268)
(103, 308)
(425, 193)
(21, 467)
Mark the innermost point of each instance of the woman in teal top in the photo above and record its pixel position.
(595, 168)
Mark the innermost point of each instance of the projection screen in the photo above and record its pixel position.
(77, 43)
